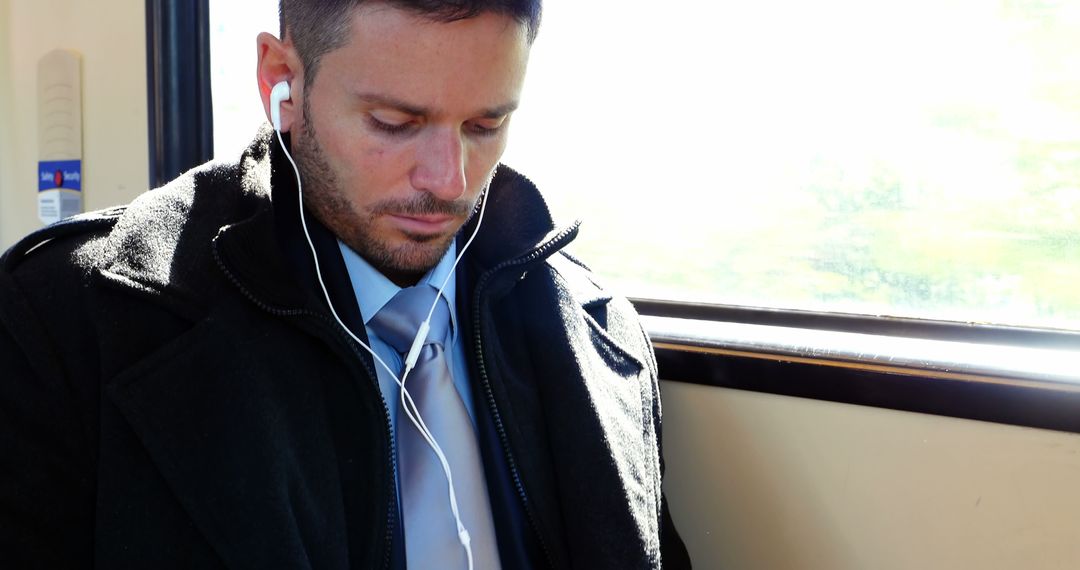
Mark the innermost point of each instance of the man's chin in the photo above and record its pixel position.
(407, 258)
(422, 252)
(424, 239)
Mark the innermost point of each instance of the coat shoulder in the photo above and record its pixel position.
(581, 287)
(62, 252)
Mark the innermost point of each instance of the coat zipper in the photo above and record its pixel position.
(391, 511)
(557, 242)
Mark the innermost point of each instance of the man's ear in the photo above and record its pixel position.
(278, 61)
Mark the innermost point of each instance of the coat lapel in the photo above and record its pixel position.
(589, 381)
(242, 440)
(256, 415)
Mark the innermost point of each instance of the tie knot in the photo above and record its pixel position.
(399, 319)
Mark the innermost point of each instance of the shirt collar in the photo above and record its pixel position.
(373, 290)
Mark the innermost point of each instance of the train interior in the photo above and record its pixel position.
(798, 432)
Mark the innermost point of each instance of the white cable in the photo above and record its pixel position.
(410, 361)
(409, 405)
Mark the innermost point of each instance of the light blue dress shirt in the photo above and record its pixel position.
(373, 290)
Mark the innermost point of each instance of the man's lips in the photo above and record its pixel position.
(422, 224)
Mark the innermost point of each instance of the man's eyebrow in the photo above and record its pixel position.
(420, 111)
(500, 111)
(393, 103)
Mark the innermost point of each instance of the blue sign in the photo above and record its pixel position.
(62, 174)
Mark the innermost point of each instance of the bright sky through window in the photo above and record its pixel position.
(918, 158)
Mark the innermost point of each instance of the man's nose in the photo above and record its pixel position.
(440, 165)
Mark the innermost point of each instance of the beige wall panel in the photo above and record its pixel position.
(111, 37)
(759, 481)
(7, 151)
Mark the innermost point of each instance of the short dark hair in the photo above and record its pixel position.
(318, 27)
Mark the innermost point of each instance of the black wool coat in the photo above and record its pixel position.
(171, 396)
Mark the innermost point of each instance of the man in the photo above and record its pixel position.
(183, 387)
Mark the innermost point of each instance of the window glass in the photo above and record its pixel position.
(238, 110)
(916, 158)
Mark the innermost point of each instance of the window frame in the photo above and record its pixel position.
(884, 377)
(179, 102)
(905, 327)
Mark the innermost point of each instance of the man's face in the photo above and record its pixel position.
(403, 127)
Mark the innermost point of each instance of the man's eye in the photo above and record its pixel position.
(486, 128)
(389, 127)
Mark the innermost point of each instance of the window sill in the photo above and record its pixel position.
(1022, 385)
(885, 353)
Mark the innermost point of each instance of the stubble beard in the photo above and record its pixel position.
(403, 263)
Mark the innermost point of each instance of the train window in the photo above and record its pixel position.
(917, 159)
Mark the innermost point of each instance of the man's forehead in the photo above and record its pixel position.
(404, 60)
(399, 27)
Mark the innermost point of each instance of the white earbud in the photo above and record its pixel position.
(279, 93)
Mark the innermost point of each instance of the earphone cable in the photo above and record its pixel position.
(406, 399)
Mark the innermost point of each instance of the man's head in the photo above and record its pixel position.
(398, 114)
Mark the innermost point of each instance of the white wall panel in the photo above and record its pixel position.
(111, 37)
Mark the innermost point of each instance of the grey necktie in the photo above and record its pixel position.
(431, 538)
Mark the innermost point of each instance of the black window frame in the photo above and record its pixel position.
(179, 101)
